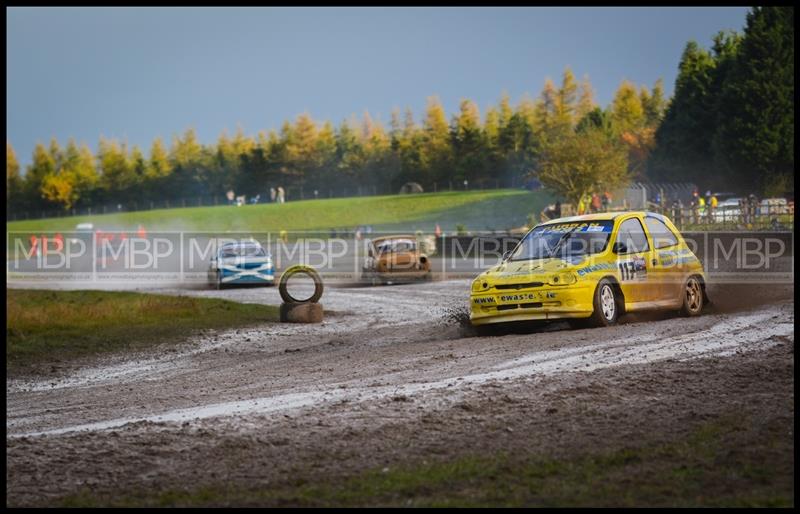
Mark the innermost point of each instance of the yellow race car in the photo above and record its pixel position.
(590, 270)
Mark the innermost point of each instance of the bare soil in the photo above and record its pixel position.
(392, 379)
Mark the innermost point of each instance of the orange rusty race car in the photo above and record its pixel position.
(395, 259)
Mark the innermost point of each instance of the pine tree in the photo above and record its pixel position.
(755, 139)
(117, 176)
(653, 103)
(525, 135)
(13, 180)
(56, 153)
(396, 129)
(566, 99)
(86, 176)
(436, 152)
(409, 152)
(42, 165)
(545, 109)
(586, 102)
(159, 166)
(190, 164)
(626, 109)
(326, 146)
(683, 139)
(468, 149)
(350, 153)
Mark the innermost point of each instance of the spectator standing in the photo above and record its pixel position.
(752, 206)
(548, 213)
(596, 203)
(557, 209)
(712, 206)
(701, 208)
(743, 206)
(677, 212)
(694, 205)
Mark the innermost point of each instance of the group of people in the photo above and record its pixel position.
(275, 196)
(702, 208)
(594, 203)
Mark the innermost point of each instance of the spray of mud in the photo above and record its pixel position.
(457, 313)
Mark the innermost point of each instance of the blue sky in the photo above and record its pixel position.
(138, 73)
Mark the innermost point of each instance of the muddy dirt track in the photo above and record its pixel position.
(391, 377)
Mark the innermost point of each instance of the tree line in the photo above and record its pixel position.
(505, 143)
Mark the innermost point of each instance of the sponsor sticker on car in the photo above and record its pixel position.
(632, 269)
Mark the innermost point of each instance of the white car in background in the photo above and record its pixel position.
(773, 206)
(729, 210)
(82, 231)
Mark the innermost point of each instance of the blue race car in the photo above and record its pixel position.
(244, 262)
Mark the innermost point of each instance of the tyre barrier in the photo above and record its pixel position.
(300, 311)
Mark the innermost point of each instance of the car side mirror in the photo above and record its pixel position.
(507, 255)
(619, 248)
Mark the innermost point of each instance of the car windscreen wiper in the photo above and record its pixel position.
(562, 239)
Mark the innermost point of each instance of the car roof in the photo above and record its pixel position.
(393, 238)
(396, 240)
(241, 243)
(601, 216)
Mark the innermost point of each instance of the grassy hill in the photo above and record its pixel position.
(476, 210)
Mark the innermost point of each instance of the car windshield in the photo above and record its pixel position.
(578, 238)
(395, 246)
(242, 251)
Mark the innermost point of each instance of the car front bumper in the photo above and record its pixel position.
(246, 276)
(541, 303)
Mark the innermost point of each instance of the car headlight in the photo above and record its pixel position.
(480, 284)
(562, 279)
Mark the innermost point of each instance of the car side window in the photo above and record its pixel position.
(662, 236)
(631, 235)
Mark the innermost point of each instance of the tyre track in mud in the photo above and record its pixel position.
(384, 342)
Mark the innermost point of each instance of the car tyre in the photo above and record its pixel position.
(606, 305)
(219, 280)
(693, 297)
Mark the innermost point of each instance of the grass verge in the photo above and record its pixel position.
(49, 327)
(477, 210)
(710, 466)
